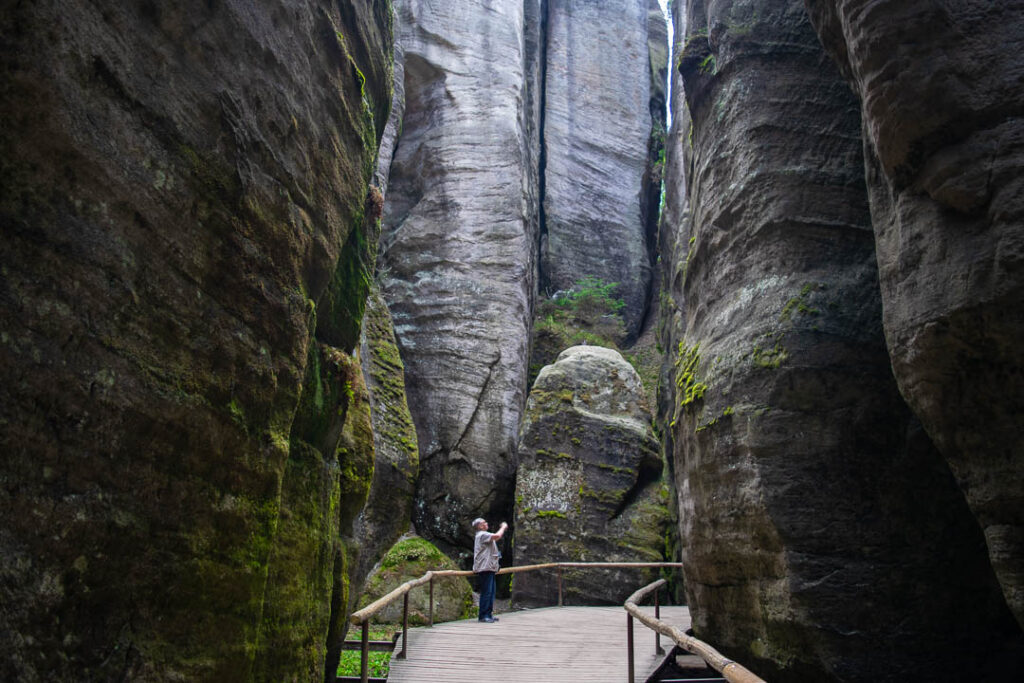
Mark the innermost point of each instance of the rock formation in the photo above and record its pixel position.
(388, 509)
(598, 120)
(411, 558)
(188, 236)
(459, 253)
(672, 228)
(943, 109)
(588, 488)
(459, 264)
(820, 527)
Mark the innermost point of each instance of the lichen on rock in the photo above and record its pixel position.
(588, 484)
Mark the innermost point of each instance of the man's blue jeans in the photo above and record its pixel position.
(486, 594)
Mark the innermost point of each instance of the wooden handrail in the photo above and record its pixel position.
(733, 672)
(363, 616)
(366, 613)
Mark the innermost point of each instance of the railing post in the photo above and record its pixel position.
(364, 655)
(629, 646)
(405, 626)
(431, 610)
(657, 615)
(559, 586)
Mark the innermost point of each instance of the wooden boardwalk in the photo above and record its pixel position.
(549, 645)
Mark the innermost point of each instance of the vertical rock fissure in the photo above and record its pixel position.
(650, 203)
(542, 156)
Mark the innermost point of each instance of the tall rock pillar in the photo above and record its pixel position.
(459, 251)
(185, 226)
(820, 527)
(597, 125)
(941, 92)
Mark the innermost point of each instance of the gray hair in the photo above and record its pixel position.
(478, 521)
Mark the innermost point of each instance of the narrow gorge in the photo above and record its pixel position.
(730, 283)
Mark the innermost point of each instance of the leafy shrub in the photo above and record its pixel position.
(588, 313)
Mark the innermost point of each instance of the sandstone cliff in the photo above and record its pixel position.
(458, 255)
(942, 105)
(463, 224)
(820, 526)
(188, 236)
(598, 119)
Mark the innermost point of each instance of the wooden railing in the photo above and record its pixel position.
(730, 670)
(733, 672)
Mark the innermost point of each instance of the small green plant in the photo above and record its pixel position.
(799, 304)
(379, 662)
(689, 390)
(708, 65)
(588, 313)
(591, 295)
(237, 413)
(770, 359)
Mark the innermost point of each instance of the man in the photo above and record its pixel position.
(485, 564)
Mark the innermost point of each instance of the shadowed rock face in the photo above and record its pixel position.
(587, 487)
(459, 253)
(940, 86)
(388, 509)
(597, 122)
(673, 233)
(181, 186)
(820, 526)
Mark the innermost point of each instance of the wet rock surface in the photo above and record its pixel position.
(458, 265)
(598, 120)
(820, 526)
(943, 107)
(186, 225)
(588, 485)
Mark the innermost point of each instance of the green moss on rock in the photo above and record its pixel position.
(411, 558)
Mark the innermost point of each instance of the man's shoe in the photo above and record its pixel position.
(488, 620)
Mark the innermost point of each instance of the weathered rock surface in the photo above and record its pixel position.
(411, 558)
(941, 93)
(598, 118)
(674, 227)
(393, 128)
(459, 253)
(588, 486)
(181, 187)
(388, 509)
(820, 527)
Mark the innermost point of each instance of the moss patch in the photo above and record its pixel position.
(689, 389)
(411, 558)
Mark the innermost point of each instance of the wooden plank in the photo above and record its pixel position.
(374, 645)
(553, 644)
